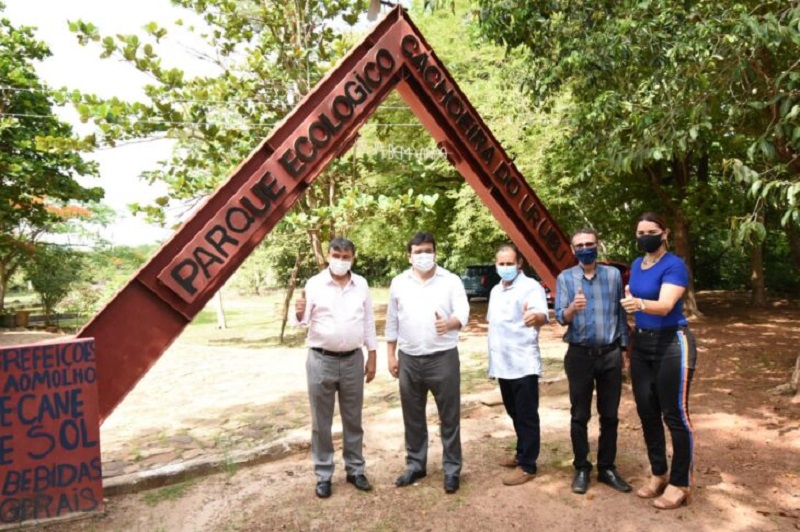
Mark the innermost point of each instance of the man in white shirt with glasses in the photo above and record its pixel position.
(427, 307)
(337, 309)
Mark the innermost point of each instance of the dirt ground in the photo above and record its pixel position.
(747, 473)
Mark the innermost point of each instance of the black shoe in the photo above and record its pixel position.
(323, 489)
(612, 478)
(360, 482)
(451, 484)
(580, 482)
(409, 477)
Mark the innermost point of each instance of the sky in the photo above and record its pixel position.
(80, 67)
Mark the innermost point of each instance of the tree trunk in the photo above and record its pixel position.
(290, 292)
(3, 284)
(221, 323)
(683, 248)
(793, 234)
(795, 380)
(316, 247)
(757, 283)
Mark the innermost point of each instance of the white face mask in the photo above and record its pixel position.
(423, 262)
(339, 267)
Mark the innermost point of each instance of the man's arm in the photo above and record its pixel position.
(370, 336)
(392, 331)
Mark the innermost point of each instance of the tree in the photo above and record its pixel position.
(39, 154)
(53, 270)
(657, 99)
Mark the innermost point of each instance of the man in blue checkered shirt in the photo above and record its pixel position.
(588, 302)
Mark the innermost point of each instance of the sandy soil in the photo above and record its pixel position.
(747, 474)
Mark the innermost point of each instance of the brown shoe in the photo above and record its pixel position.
(653, 488)
(517, 477)
(674, 497)
(511, 462)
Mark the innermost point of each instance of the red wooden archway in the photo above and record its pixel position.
(146, 316)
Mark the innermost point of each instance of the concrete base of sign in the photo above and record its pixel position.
(36, 524)
(295, 442)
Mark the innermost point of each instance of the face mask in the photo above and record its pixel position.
(586, 255)
(649, 243)
(422, 262)
(339, 267)
(507, 273)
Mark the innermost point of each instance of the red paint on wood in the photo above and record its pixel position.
(50, 432)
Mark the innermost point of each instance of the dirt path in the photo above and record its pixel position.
(747, 474)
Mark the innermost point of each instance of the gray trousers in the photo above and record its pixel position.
(328, 375)
(441, 374)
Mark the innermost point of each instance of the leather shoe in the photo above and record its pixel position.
(323, 489)
(360, 482)
(451, 484)
(409, 477)
(580, 482)
(612, 478)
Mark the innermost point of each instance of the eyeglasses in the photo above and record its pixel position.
(587, 245)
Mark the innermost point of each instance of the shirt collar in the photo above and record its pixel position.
(329, 278)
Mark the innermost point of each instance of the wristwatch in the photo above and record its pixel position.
(643, 305)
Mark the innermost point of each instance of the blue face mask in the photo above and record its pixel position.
(507, 273)
(586, 255)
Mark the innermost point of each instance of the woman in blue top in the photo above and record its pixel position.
(662, 362)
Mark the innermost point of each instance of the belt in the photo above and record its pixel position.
(596, 351)
(334, 353)
(659, 330)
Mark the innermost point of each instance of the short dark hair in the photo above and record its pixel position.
(584, 231)
(509, 247)
(421, 238)
(653, 217)
(342, 244)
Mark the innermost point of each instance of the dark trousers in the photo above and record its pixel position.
(585, 369)
(521, 399)
(439, 373)
(662, 367)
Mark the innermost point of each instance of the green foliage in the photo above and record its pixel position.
(39, 154)
(52, 271)
(662, 100)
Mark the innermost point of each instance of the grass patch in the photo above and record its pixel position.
(169, 493)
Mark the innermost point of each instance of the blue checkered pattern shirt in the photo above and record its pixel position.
(603, 321)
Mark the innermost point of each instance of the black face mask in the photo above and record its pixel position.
(649, 243)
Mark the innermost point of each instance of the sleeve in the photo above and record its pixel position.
(537, 299)
(676, 273)
(370, 335)
(622, 316)
(562, 297)
(459, 301)
(391, 313)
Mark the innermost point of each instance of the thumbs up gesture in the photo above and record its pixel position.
(629, 303)
(441, 323)
(531, 317)
(579, 302)
(300, 305)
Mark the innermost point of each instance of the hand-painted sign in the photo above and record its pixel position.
(49, 431)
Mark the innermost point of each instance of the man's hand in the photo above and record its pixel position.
(531, 317)
(394, 366)
(300, 306)
(441, 324)
(369, 367)
(579, 303)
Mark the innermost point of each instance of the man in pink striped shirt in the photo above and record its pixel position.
(337, 309)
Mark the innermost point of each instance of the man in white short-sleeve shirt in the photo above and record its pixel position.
(427, 307)
(517, 309)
